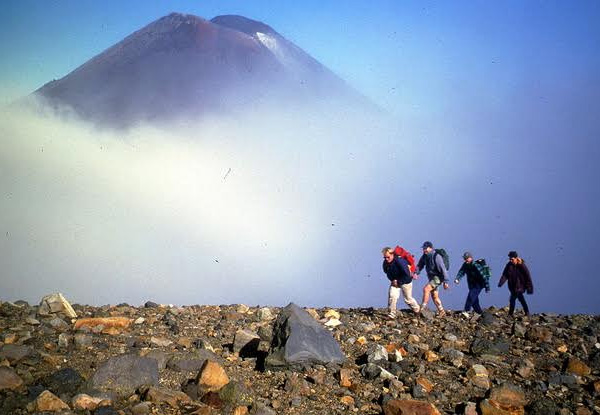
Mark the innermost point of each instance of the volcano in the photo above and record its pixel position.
(182, 66)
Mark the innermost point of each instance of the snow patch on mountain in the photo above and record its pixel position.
(271, 43)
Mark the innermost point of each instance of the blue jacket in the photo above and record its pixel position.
(397, 270)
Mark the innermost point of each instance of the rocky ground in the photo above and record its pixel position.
(215, 360)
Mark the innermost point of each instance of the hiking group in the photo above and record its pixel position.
(400, 268)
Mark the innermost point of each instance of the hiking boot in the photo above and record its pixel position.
(465, 314)
(441, 313)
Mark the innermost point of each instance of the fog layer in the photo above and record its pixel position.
(276, 206)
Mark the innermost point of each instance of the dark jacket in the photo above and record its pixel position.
(518, 277)
(397, 270)
(474, 275)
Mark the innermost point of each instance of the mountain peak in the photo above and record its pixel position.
(183, 65)
(242, 24)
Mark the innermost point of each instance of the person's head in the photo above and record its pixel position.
(427, 247)
(468, 257)
(513, 257)
(388, 254)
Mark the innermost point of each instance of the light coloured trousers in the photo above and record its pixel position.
(394, 294)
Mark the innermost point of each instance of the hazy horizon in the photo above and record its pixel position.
(490, 144)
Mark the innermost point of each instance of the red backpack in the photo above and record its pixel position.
(403, 253)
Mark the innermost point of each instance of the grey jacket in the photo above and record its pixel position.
(434, 265)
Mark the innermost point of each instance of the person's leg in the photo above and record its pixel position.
(426, 293)
(468, 302)
(511, 304)
(521, 298)
(393, 296)
(438, 303)
(408, 298)
(474, 294)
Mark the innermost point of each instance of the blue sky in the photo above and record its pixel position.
(403, 55)
(496, 111)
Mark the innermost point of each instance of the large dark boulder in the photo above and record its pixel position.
(124, 374)
(299, 340)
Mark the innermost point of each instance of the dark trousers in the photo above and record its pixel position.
(512, 300)
(473, 300)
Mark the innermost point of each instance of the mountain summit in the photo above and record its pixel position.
(183, 65)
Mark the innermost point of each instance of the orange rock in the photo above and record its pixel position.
(409, 407)
(211, 378)
(347, 400)
(597, 386)
(361, 340)
(577, 367)
(509, 398)
(111, 325)
(425, 383)
(431, 356)
(488, 407)
(84, 402)
(345, 377)
(171, 397)
(240, 410)
(47, 401)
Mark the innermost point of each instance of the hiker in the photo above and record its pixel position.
(437, 274)
(519, 281)
(396, 269)
(477, 279)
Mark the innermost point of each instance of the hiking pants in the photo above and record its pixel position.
(473, 300)
(512, 300)
(394, 294)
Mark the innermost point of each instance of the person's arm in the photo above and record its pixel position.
(421, 264)
(439, 261)
(503, 278)
(404, 267)
(461, 273)
(386, 270)
(528, 281)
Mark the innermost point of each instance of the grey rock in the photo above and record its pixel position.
(481, 346)
(9, 378)
(106, 410)
(83, 340)
(376, 353)
(142, 408)
(543, 407)
(160, 357)
(59, 324)
(264, 314)
(488, 319)
(427, 314)
(370, 371)
(64, 340)
(265, 333)
(124, 374)
(14, 353)
(299, 340)
(65, 381)
(56, 304)
(260, 409)
(518, 329)
(245, 342)
(191, 361)
(150, 304)
(450, 337)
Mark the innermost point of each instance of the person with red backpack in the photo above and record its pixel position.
(397, 271)
(437, 274)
